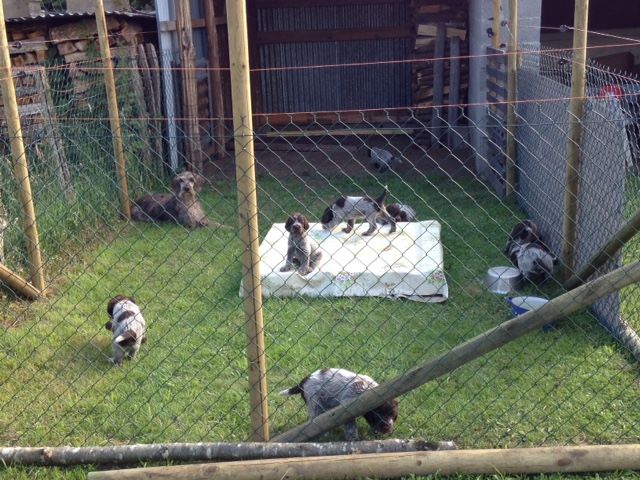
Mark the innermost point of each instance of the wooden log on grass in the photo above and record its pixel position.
(596, 458)
(474, 348)
(18, 284)
(198, 452)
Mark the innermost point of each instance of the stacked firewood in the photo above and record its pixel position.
(427, 16)
(77, 43)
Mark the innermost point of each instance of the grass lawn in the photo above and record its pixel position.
(572, 385)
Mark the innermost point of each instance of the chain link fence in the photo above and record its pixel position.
(571, 384)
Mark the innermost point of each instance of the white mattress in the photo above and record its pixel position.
(405, 264)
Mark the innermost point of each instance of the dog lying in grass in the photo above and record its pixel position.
(182, 206)
(127, 326)
(350, 209)
(303, 253)
(330, 387)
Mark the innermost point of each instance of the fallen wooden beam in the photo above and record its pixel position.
(597, 458)
(465, 352)
(18, 284)
(198, 452)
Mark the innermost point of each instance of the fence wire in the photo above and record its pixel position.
(377, 305)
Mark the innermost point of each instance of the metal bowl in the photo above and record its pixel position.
(503, 280)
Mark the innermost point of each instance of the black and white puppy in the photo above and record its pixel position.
(401, 213)
(182, 206)
(383, 160)
(303, 252)
(351, 208)
(527, 251)
(330, 387)
(127, 326)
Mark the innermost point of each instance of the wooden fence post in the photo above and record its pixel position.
(216, 77)
(576, 110)
(248, 213)
(193, 150)
(20, 159)
(114, 116)
(512, 96)
(496, 25)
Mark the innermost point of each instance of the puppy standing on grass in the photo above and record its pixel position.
(303, 252)
(351, 208)
(330, 387)
(127, 326)
(182, 206)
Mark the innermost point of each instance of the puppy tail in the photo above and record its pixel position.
(127, 339)
(292, 391)
(380, 200)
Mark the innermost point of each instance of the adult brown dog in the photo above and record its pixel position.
(182, 206)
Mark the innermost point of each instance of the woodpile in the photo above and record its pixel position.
(432, 77)
(77, 43)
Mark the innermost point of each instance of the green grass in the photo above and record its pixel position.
(573, 385)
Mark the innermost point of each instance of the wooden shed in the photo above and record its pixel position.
(324, 61)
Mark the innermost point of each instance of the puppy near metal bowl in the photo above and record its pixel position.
(503, 280)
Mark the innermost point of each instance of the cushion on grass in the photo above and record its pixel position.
(405, 264)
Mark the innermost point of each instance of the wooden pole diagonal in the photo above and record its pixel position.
(465, 352)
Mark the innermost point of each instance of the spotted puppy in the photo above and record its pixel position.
(127, 326)
(401, 213)
(303, 252)
(330, 387)
(351, 208)
(527, 251)
(182, 206)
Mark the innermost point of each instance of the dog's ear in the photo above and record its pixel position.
(305, 222)
(289, 222)
(112, 303)
(175, 183)
(199, 182)
(327, 216)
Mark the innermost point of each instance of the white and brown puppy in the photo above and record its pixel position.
(330, 387)
(351, 208)
(527, 251)
(182, 206)
(303, 252)
(127, 326)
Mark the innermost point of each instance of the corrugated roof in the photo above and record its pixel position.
(64, 15)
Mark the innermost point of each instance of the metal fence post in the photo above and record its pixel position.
(576, 110)
(20, 159)
(114, 116)
(248, 213)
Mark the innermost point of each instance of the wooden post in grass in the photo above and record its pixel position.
(510, 461)
(486, 342)
(576, 111)
(18, 153)
(496, 26)
(512, 96)
(248, 213)
(114, 116)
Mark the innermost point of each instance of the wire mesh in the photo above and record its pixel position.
(569, 384)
